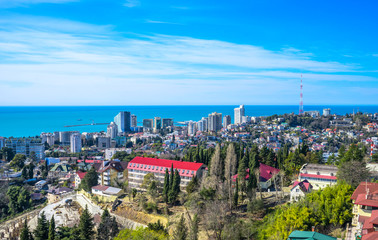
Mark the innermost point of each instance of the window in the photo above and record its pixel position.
(187, 172)
(192, 172)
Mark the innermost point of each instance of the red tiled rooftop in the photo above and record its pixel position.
(100, 187)
(371, 200)
(361, 189)
(81, 174)
(318, 176)
(370, 236)
(165, 163)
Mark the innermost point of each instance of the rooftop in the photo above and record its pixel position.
(306, 235)
(166, 163)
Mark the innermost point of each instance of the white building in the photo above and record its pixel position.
(26, 146)
(319, 175)
(202, 125)
(109, 152)
(75, 143)
(112, 130)
(215, 122)
(48, 137)
(192, 126)
(326, 112)
(238, 114)
(299, 190)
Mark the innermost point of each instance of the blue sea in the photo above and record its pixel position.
(31, 121)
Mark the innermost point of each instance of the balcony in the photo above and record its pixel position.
(355, 209)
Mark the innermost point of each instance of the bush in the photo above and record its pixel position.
(150, 207)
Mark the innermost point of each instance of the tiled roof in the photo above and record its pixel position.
(162, 164)
(81, 174)
(100, 188)
(266, 172)
(117, 165)
(370, 236)
(367, 200)
(318, 176)
(303, 185)
(361, 189)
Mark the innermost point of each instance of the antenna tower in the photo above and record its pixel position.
(301, 99)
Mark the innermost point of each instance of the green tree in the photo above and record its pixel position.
(7, 154)
(18, 161)
(166, 186)
(108, 227)
(19, 199)
(353, 173)
(90, 179)
(181, 231)
(140, 233)
(175, 188)
(86, 225)
(42, 230)
(192, 185)
(193, 234)
(52, 229)
(216, 163)
(25, 233)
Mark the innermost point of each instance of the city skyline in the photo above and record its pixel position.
(80, 53)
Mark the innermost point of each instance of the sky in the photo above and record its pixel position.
(148, 52)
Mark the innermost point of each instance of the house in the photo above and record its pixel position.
(57, 194)
(306, 235)
(320, 176)
(365, 200)
(109, 171)
(267, 175)
(59, 170)
(78, 177)
(36, 196)
(299, 190)
(141, 166)
(41, 185)
(370, 225)
(106, 193)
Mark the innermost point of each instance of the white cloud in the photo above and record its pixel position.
(131, 3)
(95, 66)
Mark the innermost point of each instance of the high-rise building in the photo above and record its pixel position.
(326, 112)
(215, 122)
(202, 125)
(2, 140)
(167, 122)
(148, 124)
(103, 142)
(64, 138)
(238, 114)
(26, 146)
(48, 137)
(112, 130)
(122, 120)
(157, 123)
(192, 128)
(226, 121)
(134, 122)
(75, 142)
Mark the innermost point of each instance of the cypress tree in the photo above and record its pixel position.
(194, 228)
(171, 177)
(108, 227)
(181, 231)
(175, 189)
(25, 233)
(42, 230)
(86, 225)
(52, 229)
(166, 186)
(236, 194)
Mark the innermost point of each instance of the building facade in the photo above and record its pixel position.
(157, 124)
(141, 166)
(226, 121)
(26, 146)
(319, 175)
(148, 124)
(167, 122)
(112, 130)
(238, 114)
(123, 121)
(215, 122)
(134, 122)
(110, 171)
(75, 143)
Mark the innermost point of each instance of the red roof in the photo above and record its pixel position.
(81, 174)
(361, 189)
(370, 236)
(266, 172)
(367, 200)
(318, 176)
(370, 222)
(304, 185)
(100, 187)
(159, 165)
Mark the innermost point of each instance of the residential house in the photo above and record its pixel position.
(59, 170)
(307, 235)
(78, 177)
(320, 176)
(106, 193)
(299, 190)
(110, 171)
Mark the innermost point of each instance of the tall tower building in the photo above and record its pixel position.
(238, 114)
(134, 122)
(112, 130)
(326, 112)
(75, 142)
(157, 124)
(226, 121)
(122, 120)
(215, 122)
(148, 124)
(192, 128)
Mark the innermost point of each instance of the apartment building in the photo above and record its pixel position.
(141, 166)
(320, 176)
(108, 171)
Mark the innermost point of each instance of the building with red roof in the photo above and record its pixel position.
(141, 166)
(79, 177)
(299, 190)
(319, 175)
(365, 209)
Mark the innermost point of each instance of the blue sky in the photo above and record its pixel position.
(137, 52)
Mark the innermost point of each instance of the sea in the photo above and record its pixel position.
(32, 121)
